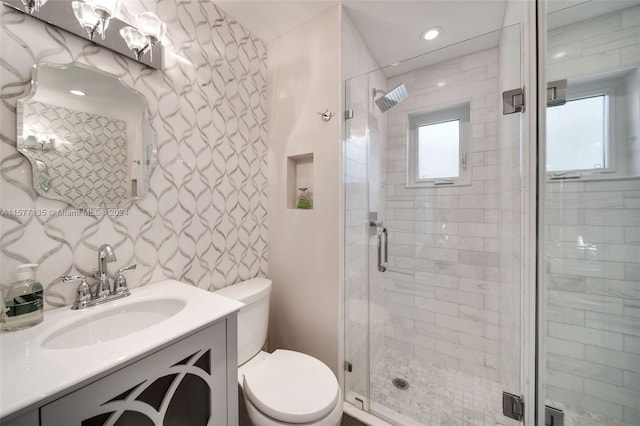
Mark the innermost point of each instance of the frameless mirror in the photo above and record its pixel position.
(87, 136)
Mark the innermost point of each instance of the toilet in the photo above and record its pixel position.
(284, 387)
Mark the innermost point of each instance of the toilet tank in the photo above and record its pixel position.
(253, 318)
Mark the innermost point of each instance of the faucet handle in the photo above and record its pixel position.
(83, 292)
(120, 283)
(128, 268)
(71, 278)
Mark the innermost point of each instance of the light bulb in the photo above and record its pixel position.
(135, 40)
(431, 33)
(105, 8)
(32, 6)
(87, 17)
(151, 26)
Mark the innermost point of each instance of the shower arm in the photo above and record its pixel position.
(376, 92)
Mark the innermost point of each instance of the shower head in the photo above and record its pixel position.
(392, 98)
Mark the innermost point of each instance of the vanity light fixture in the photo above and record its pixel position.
(31, 6)
(431, 33)
(94, 15)
(149, 29)
(77, 92)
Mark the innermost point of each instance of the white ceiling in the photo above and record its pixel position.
(270, 19)
(390, 28)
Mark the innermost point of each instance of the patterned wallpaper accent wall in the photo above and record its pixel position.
(204, 221)
(85, 154)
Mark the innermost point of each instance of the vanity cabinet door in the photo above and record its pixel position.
(183, 384)
(29, 419)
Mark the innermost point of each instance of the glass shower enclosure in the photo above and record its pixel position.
(443, 207)
(433, 236)
(589, 213)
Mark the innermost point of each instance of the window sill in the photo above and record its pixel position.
(590, 178)
(442, 184)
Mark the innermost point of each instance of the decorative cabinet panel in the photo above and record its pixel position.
(184, 384)
(28, 419)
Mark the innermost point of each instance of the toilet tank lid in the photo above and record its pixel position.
(247, 291)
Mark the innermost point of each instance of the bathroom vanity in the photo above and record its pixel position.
(166, 355)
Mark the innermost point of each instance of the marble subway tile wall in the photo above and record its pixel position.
(377, 203)
(510, 216)
(593, 296)
(442, 283)
(204, 221)
(592, 250)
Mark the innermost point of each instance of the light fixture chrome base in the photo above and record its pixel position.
(32, 6)
(61, 16)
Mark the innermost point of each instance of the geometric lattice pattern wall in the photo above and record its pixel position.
(85, 155)
(204, 220)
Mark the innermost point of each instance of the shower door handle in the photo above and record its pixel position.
(382, 234)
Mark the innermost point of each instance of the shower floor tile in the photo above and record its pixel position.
(442, 396)
(580, 417)
(436, 395)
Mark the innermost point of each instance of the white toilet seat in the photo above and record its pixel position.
(260, 419)
(290, 388)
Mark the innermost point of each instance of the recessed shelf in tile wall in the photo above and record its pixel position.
(299, 175)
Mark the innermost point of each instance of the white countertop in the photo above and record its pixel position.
(30, 373)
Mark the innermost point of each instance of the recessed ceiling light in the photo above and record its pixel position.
(77, 92)
(560, 54)
(431, 33)
(441, 84)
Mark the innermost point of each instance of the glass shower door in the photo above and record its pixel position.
(435, 339)
(356, 240)
(590, 233)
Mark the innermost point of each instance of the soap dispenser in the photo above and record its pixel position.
(22, 300)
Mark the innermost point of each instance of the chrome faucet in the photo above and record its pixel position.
(105, 255)
(103, 293)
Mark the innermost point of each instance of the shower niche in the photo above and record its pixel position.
(300, 181)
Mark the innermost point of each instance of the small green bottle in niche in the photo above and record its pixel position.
(304, 199)
(23, 300)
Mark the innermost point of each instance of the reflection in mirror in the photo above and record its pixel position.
(87, 137)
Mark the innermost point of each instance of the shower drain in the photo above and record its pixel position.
(401, 384)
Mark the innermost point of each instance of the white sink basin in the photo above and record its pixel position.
(112, 323)
(72, 347)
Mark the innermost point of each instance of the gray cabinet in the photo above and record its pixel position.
(186, 383)
(29, 419)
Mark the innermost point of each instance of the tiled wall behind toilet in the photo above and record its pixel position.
(204, 220)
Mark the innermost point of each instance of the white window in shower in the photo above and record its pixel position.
(582, 133)
(578, 134)
(438, 147)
